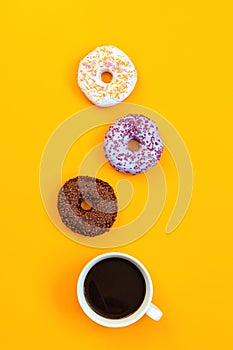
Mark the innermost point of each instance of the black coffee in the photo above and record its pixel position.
(114, 288)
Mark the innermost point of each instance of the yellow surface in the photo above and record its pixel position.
(183, 54)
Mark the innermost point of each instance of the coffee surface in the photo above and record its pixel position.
(114, 288)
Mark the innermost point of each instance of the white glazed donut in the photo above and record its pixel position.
(133, 127)
(106, 59)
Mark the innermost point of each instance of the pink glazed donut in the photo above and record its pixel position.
(135, 127)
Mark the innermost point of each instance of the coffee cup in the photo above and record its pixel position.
(115, 290)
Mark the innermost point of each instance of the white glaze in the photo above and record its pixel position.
(106, 59)
(133, 127)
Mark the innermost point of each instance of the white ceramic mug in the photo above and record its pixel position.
(145, 308)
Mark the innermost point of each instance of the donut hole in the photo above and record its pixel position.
(106, 77)
(85, 205)
(133, 145)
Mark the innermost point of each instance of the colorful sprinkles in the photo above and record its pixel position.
(133, 127)
(106, 59)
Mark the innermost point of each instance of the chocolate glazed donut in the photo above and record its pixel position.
(87, 205)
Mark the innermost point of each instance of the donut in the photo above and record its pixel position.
(87, 205)
(141, 129)
(114, 61)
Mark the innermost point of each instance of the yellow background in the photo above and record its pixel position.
(183, 54)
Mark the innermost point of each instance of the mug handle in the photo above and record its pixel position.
(154, 312)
